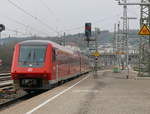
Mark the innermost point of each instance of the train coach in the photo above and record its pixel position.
(40, 64)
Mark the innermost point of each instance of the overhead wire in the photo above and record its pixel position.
(58, 20)
(17, 31)
(21, 9)
(24, 25)
(37, 19)
(13, 30)
(40, 21)
(96, 22)
(49, 9)
(32, 16)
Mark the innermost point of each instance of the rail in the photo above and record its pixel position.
(5, 82)
(4, 74)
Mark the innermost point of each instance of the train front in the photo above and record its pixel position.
(31, 65)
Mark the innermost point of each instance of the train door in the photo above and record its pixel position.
(55, 64)
(80, 64)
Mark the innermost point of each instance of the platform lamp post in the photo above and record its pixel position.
(2, 28)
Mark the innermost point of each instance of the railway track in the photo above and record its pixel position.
(20, 97)
(5, 82)
(5, 77)
(8, 99)
(8, 95)
(10, 102)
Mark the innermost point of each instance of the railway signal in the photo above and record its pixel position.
(88, 32)
(96, 59)
(2, 27)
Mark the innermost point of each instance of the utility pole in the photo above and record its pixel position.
(124, 36)
(64, 38)
(145, 19)
(97, 32)
(124, 40)
(114, 44)
(114, 39)
(118, 44)
(128, 19)
(127, 42)
(92, 44)
(149, 38)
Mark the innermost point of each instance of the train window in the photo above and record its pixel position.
(32, 56)
(53, 55)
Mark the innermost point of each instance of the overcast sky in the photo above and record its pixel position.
(53, 17)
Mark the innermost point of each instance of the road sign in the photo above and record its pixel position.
(144, 30)
(96, 53)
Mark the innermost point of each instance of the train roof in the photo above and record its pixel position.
(46, 42)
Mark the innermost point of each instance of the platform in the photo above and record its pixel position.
(108, 93)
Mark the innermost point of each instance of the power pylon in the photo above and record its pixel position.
(125, 34)
(125, 27)
(145, 19)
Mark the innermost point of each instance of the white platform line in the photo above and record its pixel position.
(54, 97)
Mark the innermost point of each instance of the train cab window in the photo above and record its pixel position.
(53, 55)
(32, 56)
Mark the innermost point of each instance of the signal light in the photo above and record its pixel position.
(88, 30)
(96, 59)
(2, 27)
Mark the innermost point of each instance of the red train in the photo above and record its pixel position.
(39, 64)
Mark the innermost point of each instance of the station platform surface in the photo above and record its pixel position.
(106, 93)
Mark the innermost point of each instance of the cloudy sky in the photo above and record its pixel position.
(53, 17)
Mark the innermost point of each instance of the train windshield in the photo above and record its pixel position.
(32, 56)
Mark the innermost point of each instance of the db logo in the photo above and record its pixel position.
(30, 69)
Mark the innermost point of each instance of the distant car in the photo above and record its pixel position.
(39, 64)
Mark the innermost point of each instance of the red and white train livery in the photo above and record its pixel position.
(38, 64)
